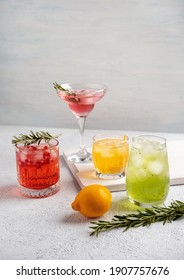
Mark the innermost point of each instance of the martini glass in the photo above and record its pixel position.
(81, 99)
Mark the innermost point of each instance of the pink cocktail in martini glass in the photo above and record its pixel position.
(81, 99)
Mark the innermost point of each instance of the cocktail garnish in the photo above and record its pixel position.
(141, 218)
(33, 138)
(72, 96)
(57, 86)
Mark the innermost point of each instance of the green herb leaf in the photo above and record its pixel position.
(72, 96)
(58, 87)
(33, 138)
(141, 218)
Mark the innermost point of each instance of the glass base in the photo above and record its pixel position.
(41, 193)
(109, 176)
(82, 156)
(146, 205)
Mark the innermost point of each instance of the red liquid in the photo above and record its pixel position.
(81, 102)
(37, 166)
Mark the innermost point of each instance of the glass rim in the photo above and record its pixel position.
(95, 86)
(101, 136)
(51, 146)
(162, 140)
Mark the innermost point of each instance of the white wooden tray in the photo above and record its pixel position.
(84, 173)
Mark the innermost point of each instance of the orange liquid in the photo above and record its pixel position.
(37, 168)
(110, 156)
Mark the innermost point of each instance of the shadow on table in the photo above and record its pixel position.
(10, 192)
(120, 205)
(124, 205)
(74, 218)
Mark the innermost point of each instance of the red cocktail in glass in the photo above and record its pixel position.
(38, 168)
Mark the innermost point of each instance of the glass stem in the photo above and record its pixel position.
(81, 122)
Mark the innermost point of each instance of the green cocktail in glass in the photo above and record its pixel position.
(147, 178)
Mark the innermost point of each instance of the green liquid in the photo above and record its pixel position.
(147, 179)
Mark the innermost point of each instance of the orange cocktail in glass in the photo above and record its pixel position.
(110, 155)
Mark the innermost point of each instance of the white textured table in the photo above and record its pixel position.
(49, 229)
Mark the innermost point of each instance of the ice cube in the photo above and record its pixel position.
(54, 154)
(137, 160)
(23, 156)
(141, 173)
(148, 148)
(37, 157)
(101, 143)
(140, 140)
(155, 167)
(85, 91)
(107, 153)
(158, 146)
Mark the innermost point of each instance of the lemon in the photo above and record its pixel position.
(92, 201)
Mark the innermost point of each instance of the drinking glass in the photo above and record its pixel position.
(38, 169)
(147, 178)
(110, 155)
(81, 99)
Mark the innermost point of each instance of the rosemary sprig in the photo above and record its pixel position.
(72, 96)
(33, 138)
(58, 87)
(141, 218)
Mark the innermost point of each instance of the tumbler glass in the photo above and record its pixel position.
(110, 155)
(38, 169)
(147, 178)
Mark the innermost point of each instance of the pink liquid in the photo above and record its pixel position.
(81, 102)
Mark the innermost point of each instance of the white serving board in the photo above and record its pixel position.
(84, 172)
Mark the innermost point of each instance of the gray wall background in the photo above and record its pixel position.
(135, 47)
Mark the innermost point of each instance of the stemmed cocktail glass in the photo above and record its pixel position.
(81, 99)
